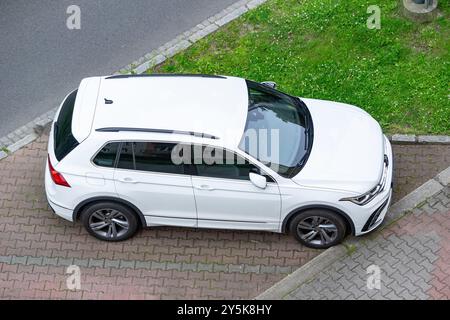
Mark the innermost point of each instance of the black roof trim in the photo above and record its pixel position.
(191, 133)
(124, 76)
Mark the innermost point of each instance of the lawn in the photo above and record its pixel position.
(323, 49)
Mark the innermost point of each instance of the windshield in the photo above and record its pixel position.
(278, 131)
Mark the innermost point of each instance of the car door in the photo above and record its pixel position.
(147, 177)
(226, 198)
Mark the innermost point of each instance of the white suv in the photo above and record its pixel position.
(130, 151)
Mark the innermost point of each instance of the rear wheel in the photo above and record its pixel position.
(317, 228)
(109, 221)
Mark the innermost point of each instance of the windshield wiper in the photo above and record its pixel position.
(306, 138)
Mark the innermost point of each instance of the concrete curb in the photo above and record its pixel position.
(308, 271)
(411, 138)
(29, 132)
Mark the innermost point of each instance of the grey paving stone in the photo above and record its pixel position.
(159, 265)
(420, 294)
(188, 266)
(50, 261)
(127, 264)
(112, 263)
(19, 260)
(81, 262)
(6, 259)
(99, 263)
(236, 268)
(221, 268)
(34, 261)
(232, 15)
(65, 261)
(255, 3)
(410, 138)
(434, 139)
(203, 32)
(205, 267)
(182, 45)
(282, 270)
(173, 266)
(141, 264)
(268, 269)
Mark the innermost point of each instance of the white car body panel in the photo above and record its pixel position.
(346, 158)
(341, 157)
(230, 204)
(164, 199)
(85, 107)
(89, 181)
(219, 101)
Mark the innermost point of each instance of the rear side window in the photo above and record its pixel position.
(64, 141)
(107, 156)
(149, 156)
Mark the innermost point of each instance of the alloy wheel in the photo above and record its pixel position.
(109, 223)
(317, 230)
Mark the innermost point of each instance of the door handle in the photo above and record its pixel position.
(127, 180)
(204, 187)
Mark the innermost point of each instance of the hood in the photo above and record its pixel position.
(348, 148)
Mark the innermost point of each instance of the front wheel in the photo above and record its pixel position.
(318, 229)
(109, 221)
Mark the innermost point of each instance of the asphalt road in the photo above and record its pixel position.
(41, 59)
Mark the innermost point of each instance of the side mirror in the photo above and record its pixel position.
(270, 84)
(258, 180)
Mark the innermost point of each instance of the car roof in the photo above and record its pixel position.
(156, 105)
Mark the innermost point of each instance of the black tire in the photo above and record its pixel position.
(115, 222)
(305, 227)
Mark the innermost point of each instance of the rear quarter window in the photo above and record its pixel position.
(106, 157)
(64, 141)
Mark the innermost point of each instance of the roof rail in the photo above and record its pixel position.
(191, 133)
(124, 76)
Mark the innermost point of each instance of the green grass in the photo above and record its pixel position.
(322, 49)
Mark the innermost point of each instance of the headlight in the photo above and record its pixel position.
(369, 195)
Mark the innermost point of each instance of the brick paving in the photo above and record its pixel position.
(159, 263)
(413, 256)
(415, 164)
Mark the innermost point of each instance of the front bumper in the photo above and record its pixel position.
(372, 215)
(377, 217)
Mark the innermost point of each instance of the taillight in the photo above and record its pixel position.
(56, 176)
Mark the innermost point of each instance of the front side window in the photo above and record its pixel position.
(107, 155)
(219, 163)
(278, 131)
(149, 156)
(64, 141)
